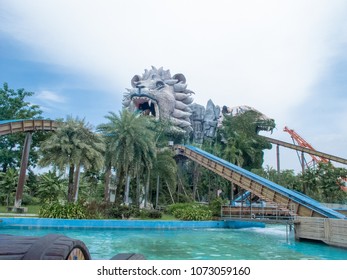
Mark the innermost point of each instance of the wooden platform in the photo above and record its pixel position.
(329, 231)
(256, 212)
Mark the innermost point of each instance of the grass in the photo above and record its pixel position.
(32, 209)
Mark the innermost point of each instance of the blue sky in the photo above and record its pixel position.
(285, 58)
(58, 90)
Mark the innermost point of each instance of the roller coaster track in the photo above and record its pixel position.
(13, 126)
(261, 187)
(27, 126)
(306, 150)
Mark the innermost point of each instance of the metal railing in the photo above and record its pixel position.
(274, 213)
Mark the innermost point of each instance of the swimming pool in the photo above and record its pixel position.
(214, 243)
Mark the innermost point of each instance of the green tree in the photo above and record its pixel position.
(8, 185)
(14, 106)
(323, 183)
(242, 144)
(131, 147)
(91, 186)
(73, 145)
(285, 178)
(164, 171)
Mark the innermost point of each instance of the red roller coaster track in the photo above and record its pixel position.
(315, 159)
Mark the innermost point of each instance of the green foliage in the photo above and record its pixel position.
(91, 187)
(51, 187)
(73, 145)
(241, 143)
(215, 206)
(150, 214)
(8, 185)
(130, 145)
(323, 183)
(127, 212)
(63, 211)
(190, 211)
(13, 105)
(122, 212)
(28, 199)
(165, 166)
(285, 178)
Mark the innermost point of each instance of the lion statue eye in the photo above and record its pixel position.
(159, 85)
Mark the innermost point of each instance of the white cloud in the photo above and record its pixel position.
(50, 97)
(265, 54)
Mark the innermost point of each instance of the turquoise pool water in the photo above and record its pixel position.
(269, 243)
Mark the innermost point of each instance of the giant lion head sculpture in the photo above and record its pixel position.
(162, 96)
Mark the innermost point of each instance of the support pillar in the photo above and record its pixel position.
(22, 172)
(278, 158)
(302, 162)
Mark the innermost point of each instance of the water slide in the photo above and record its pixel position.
(301, 204)
(13, 126)
(242, 197)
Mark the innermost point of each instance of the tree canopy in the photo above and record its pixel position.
(14, 106)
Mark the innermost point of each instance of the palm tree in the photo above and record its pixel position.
(164, 167)
(130, 145)
(73, 145)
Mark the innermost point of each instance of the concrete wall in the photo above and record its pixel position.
(70, 223)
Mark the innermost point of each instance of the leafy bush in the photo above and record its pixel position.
(29, 200)
(150, 214)
(96, 209)
(154, 214)
(122, 212)
(173, 207)
(190, 211)
(215, 206)
(63, 211)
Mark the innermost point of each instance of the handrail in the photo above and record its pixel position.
(306, 150)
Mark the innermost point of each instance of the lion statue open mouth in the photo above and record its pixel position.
(157, 94)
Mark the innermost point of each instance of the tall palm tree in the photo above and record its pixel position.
(73, 145)
(164, 168)
(130, 145)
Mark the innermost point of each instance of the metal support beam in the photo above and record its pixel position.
(278, 158)
(22, 173)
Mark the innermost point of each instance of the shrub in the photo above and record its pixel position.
(29, 200)
(63, 211)
(173, 207)
(122, 212)
(150, 214)
(190, 211)
(215, 206)
(96, 209)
